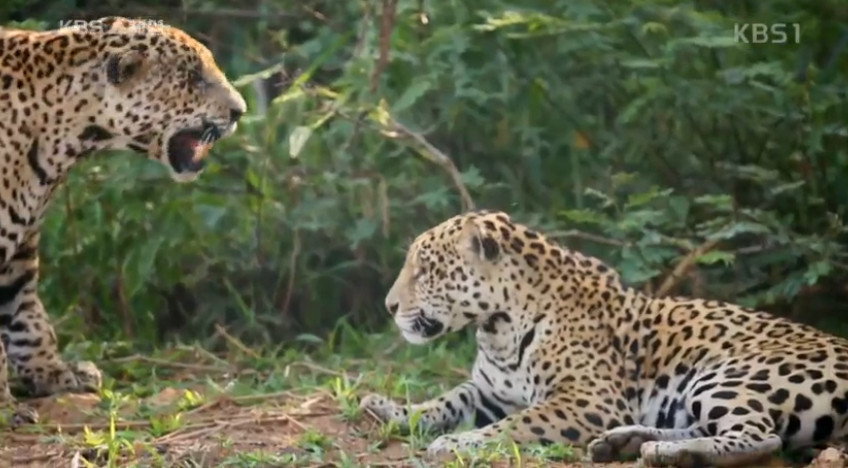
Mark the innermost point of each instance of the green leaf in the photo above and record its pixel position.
(633, 268)
(607, 201)
(297, 139)
(740, 227)
(787, 187)
(653, 255)
(816, 271)
(363, 229)
(710, 42)
(653, 27)
(585, 217)
(623, 179)
(643, 64)
(138, 264)
(749, 172)
(633, 110)
(260, 75)
(638, 220)
(770, 70)
(472, 177)
(411, 95)
(640, 199)
(680, 207)
(309, 338)
(716, 256)
(723, 202)
(211, 214)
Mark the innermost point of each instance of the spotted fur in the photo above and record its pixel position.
(567, 353)
(110, 84)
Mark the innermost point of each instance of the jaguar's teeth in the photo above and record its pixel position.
(210, 132)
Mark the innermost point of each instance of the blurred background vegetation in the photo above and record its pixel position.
(639, 131)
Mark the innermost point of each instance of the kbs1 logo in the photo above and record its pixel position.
(763, 33)
(141, 24)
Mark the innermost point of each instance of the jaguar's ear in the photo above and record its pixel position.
(122, 67)
(480, 244)
(108, 21)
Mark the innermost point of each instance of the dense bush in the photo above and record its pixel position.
(642, 132)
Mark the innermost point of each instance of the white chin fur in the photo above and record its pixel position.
(414, 338)
(184, 177)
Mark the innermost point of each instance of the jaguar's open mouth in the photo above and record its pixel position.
(187, 148)
(427, 327)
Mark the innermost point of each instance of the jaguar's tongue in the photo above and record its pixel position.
(187, 150)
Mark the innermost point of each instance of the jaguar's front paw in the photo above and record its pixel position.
(89, 377)
(384, 408)
(622, 441)
(452, 443)
(23, 414)
(17, 414)
(58, 378)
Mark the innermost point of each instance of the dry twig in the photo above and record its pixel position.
(387, 25)
(207, 353)
(433, 154)
(164, 363)
(316, 368)
(575, 234)
(683, 266)
(219, 330)
(295, 252)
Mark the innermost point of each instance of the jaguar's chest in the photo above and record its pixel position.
(513, 389)
(505, 366)
(17, 225)
(23, 203)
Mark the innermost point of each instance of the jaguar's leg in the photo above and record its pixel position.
(558, 419)
(626, 441)
(29, 338)
(13, 412)
(443, 413)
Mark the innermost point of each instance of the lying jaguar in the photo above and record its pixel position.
(567, 353)
(111, 83)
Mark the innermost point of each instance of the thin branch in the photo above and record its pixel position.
(219, 330)
(433, 154)
(575, 234)
(165, 363)
(683, 267)
(295, 252)
(316, 368)
(387, 25)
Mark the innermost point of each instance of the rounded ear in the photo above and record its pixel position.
(107, 22)
(482, 245)
(120, 68)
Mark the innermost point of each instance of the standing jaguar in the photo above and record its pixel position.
(567, 353)
(111, 83)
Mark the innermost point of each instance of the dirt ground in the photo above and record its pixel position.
(213, 433)
(217, 431)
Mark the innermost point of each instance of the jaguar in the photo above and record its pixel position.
(568, 353)
(108, 84)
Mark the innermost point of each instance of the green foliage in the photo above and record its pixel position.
(636, 131)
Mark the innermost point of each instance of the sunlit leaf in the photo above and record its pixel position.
(297, 139)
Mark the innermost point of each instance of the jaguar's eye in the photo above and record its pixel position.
(195, 77)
